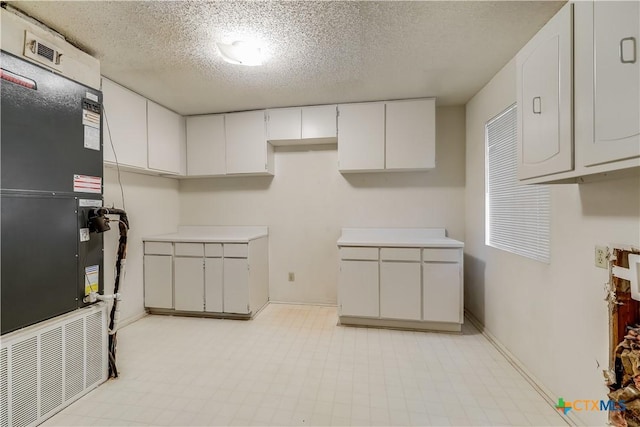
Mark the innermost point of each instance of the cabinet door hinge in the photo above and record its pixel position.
(247, 308)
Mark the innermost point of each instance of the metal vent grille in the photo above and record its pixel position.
(45, 367)
(4, 388)
(51, 368)
(45, 51)
(24, 382)
(94, 336)
(74, 361)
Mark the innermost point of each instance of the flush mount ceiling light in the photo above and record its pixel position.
(241, 53)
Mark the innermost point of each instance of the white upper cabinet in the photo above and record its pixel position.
(206, 145)
(391, 135)
(302, 125)
(248, 151)
(361, 136)
(545, 99)
(166, 139)
(410, 134)
(125, 126)
(320, 121)
(284, 123)
(612, 70)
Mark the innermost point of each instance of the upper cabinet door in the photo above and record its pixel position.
(616, 82)
(319, 122)
(125, 125)
(247, 147)
(283, 123)
(544, 92)
(166, 138)
(206, 145)
(411, 134)
(361, 136)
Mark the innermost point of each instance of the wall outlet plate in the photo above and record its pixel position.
(602, 257)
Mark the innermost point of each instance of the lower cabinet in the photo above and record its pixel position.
(188, 282)
(418, 288)
(442, 285)
(358, 288)
(236, 285)
(214, 278)
(441, 300)
(213, 285)
(158, 283)
(400, 290)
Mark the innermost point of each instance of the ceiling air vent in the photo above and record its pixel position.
(42, 51)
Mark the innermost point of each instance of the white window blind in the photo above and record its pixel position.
(517, 215)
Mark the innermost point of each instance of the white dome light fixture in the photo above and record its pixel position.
(240, 53)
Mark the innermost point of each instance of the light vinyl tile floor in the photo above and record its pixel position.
(292, 365)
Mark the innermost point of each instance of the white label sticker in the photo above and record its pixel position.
(89, 118)
(90, 203)
(92, 97)
(92, 138)
(91, 279)
(84, 234)
(87, 184)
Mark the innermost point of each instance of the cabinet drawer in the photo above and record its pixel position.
(189, 249)
(441, 255)
(158, 248)
(236, 250)
(359, 253)
(400, 254)
(213, 250)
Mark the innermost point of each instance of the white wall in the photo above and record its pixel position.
(552, 317)
(152, 208)
(307, 202)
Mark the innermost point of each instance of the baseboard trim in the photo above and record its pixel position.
(320, 304)
(129, 320)
(537, 385)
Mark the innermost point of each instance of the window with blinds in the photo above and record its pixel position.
(517, 215)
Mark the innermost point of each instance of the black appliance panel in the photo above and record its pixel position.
(42, 130)
(39, 263)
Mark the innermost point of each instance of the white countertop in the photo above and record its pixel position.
(211, 233)
(398, 237)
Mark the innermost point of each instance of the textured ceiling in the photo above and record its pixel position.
(316, 52)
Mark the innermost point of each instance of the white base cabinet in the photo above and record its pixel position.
(358, 288)
(188, 282)
(415, 287)
(236, 290)
(400, 290)
(158, 281)
(442, 292)
(208, 278)
(213, 285)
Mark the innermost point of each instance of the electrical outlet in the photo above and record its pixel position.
(601, 258)
(292, 277)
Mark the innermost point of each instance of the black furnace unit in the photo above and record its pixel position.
(51, 176)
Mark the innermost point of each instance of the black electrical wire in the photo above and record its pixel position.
(123, 226)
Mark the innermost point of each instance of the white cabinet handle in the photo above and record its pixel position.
(628, 50)
(537, 105)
